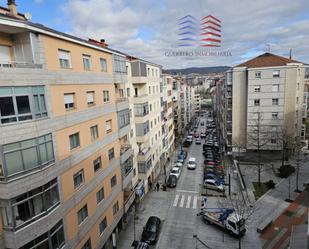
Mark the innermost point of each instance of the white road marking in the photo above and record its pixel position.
(182, 201)
(176, 201)
(187, 191)
(188, 202)
(194, 202)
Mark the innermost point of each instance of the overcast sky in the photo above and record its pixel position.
(148, 28)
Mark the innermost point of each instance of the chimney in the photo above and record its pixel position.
(12, 7)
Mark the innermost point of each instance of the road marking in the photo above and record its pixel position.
(176, 200)
(182, 201)
(187, 191)
(188, 202)
(194, 202)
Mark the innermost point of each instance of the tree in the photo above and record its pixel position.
(286, 141)
(257, 138)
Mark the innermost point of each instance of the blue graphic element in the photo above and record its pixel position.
(188, 28)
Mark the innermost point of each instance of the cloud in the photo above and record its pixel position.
(38, 1)
(148, 28)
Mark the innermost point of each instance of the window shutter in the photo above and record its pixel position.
(90, 98)
(68, 98)
(64, 55)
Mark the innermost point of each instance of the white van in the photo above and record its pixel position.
(191, 163)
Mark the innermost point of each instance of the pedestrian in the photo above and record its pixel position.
(158, 186)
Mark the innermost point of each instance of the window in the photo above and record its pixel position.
(276, 73)
(258, 74)
(105, 96)
(30, 206)
(26, 155)
(111, 154)
(103, 65)
(103, 225)
(151, 124)
(90, 98)
(100, 195)
(69, 101)
(297, 100)
(115, 208)
(123, 118)
(87, 245)
(87, 62)
(113, 181)
(64, 58)
(119, 64)
(21, 103)
(153, 89)
(128, 92)
(94, 132)
(97, 164)
(74, 140)
(148, 71)
(78, 179)
(275, 101)
(150, 107)
(149, 88)
(273, 140)
(82, 214)
(274, 115)
(108, 126)
(152, 72)
(257, 89)
(53, 237)
(256, 102)
(275, 88)
(141, 110)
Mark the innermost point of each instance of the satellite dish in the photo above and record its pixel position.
(28, 16)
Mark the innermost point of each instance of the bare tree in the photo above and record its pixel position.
(258, 138)
(298, 145)
(286, 141)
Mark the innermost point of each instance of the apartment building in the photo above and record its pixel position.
(197, 102)
(144, 78)
(266, 91)
(176, 108)
(66, 164)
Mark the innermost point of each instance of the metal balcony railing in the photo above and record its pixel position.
(124, 148)
(19, 64)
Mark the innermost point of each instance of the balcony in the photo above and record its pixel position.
(143, 154)
(140, 98)
(129, 198)
(127, 172)
(126, 152)
(139, 80)
(19, 64)
(122, 103)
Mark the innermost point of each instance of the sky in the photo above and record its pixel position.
(149, 28)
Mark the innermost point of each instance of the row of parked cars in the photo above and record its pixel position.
(213, 165)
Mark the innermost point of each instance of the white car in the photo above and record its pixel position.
(178, 164)
(191, 163)
(190, 138)
(176, 172)
(214, 185)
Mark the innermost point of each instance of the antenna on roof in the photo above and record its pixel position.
(290, 57)
(267, 47)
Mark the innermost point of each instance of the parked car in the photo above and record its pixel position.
(178, 164)
(190, 138)
(186, 143)
(198, 141)
(203, 135)
(142, 245)
(214, 177)
(181, 158)
(202, 124)
(176, 171)
(172, 181)
(183, 153)
(191, 163)
(151, 230)
(196, 135)
(214, 185)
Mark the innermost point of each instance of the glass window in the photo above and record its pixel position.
(82, 214)
(108, 126)
(141, 110)
(257, 89)
(64, 58)
(31, 205)
(115, 208)
(274, 115)
(275, 88)
(273, 140)
(149, 89)
(119, 64)
(111, 154)
(94, 132)
(78, 178)
(128, 92)
(258, 74)
(69, 100)
(123, 118)
(103, 225)
(256, 102)
(97, 164)
(28, 154)
(90, 98)
(105, 96)
(74, 140)
(275, 101)
(87, 245)
(113, 181)
(103, 65)
(100, 195)
(87, 62)
(276, 73)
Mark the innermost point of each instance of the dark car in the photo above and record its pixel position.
(151, 230)
(183, 153)
(186, 143)
(172, 181)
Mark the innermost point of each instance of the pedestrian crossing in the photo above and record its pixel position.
(185, 201)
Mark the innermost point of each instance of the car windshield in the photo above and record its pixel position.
(175, 171)
(151, 228)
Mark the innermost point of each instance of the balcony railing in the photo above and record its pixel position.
(124, 148)
(19, 64)
(140, 95)
(123, 99)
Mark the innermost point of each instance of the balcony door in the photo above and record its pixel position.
(5, 57)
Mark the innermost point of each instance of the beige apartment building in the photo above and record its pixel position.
(68, 157)
(266, 91)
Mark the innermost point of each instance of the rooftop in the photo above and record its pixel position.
(267, 60)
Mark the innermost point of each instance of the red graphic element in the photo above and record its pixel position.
(211, 30)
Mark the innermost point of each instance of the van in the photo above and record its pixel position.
(191, 163)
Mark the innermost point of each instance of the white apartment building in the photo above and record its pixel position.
(268, 90)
